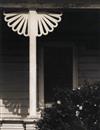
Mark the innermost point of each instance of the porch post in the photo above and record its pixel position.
(44, 23)
(32, 30)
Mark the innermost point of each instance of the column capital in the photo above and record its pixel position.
(46, 22)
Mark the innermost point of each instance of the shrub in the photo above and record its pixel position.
(62, 114)
(73, 109)
(88, 105)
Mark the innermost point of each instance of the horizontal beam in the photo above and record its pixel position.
(50, 4)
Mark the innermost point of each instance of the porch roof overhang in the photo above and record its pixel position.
(50, 4)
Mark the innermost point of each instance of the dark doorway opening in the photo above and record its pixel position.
(58, 69)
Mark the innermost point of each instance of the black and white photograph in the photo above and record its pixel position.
(49, 65)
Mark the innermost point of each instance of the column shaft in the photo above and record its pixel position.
(32, 29)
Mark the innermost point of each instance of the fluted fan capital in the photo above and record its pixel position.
(45, 22)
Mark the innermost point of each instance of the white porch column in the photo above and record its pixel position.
(38, 24)
(32, 30)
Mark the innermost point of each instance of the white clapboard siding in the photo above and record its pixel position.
(88, 64)
(14, 69)
(14, 103)
(14, 107)
(14, 91)
(12, 127)
(17, 126)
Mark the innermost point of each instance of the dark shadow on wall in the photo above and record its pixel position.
(14, 70)
(16, 107)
